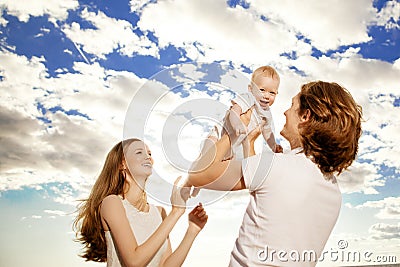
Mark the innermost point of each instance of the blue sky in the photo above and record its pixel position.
(77, 76)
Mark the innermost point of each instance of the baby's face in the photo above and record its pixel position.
(264, 89)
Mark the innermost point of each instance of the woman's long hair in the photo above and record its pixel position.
(87, 224)
(330, 135)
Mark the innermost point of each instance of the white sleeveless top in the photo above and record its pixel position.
(143, 225)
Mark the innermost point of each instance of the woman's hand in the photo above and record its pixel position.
(180, 194)
(278, 149)
(198, 218)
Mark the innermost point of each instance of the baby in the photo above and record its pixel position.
(261, 95)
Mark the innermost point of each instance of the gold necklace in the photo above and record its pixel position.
(141, 203)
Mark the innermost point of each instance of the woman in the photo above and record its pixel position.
(295, 199)
(116, 224)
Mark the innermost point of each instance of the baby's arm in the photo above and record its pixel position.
(269, 137)
(234, 118)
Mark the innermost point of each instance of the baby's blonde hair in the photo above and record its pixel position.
(266, 71)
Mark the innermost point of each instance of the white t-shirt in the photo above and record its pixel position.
(291, 213)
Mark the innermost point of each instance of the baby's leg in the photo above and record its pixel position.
(211, 139)
(229, 154)
(206, 145)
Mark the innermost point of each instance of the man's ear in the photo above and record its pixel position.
(249, 87)
(306, 116)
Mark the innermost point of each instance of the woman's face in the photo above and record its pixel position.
(290, 130)
(139, 160)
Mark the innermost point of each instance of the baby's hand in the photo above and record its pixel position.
(198, 218)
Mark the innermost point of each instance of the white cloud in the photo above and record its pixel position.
(3, 21)
(389, 213)
(55, 212)
(359, 75)
(56, 10)
(218, 32)
(385, 231)
(389, 15)
(360, 177)
(73, 148)
(100, 94)
(17, 81)
(389, 208)
(189, 71)
(328, 24)
(137, 5)
(110, 34)
(396, 63)
(236, 81)
(382, 147)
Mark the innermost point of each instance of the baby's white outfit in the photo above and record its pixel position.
(245, 102)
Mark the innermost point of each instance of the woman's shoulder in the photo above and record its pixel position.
(112, 198)
(111, 201)
(111, 210)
